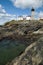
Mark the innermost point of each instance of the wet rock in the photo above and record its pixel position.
(32, 55)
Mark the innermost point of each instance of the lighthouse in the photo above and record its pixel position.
(32, 14)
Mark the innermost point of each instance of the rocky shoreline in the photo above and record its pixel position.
(26, 34)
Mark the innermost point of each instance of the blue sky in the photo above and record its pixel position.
(9, 9)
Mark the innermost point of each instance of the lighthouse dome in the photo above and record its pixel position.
(32, 9)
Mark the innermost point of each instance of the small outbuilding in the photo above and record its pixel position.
(28, 18)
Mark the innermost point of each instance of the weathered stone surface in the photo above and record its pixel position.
(33, 55)
(28, 34)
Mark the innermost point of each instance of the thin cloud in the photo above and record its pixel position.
(2, 10)
(4, 16)
(41, 14)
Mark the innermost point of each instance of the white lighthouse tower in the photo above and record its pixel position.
(32, 14)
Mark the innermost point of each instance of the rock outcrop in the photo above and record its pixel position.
(22, 29)
(30, 34)
(33, 55)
